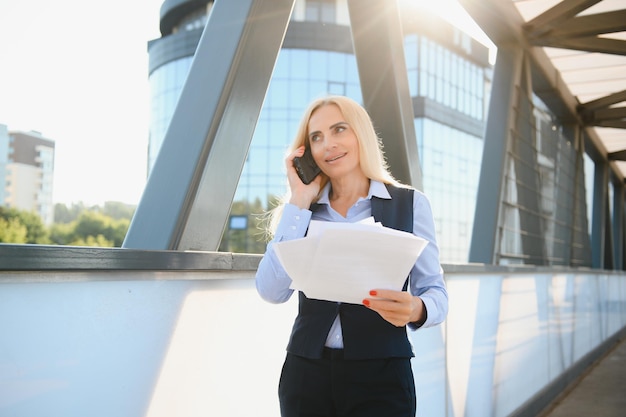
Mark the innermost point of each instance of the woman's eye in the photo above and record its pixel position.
(340, 129)
(314, 138)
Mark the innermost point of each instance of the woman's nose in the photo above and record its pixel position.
(329, 142)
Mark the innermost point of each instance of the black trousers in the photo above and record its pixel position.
(334, 387)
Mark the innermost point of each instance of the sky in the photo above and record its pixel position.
(77, 72)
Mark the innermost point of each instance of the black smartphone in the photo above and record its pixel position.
(306, 167)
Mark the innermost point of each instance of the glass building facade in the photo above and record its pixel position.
(448, 75)
(27, 172)
(4, 160)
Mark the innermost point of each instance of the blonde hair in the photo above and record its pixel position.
(372, 159)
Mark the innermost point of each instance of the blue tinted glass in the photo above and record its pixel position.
(280, 135)
(278, 92)
(336, 66)
(276, 161)
(299, 60)
(318, 65)
(257, 165)
(336, 88)
(412, 75)
(281, 69)
(410, 51)
(354, 92)
(261, 131)
(352, 72)
(423, 83)
(298, 94)
(280, 114)
(318, 88)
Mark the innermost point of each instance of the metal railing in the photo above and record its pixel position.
(104, 332)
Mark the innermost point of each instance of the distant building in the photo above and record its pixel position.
(449, 78)
(4, 160)
(26, 172)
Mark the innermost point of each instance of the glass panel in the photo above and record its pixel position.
(336, 88)
(336, 66)
(299, 64)
(328, 12)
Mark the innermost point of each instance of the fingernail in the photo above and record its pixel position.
(373, 292)
(366, 302)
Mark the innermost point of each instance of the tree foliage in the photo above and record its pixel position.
(19, 226)
(12, 230)
(118, 211)
(77, 225)
(81, 225)
(249, 240)
(106, 226)
(113, 209)
(64, 214)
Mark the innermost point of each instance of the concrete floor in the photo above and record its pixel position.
(601, 392)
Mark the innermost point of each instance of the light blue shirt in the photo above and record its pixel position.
(426, 276)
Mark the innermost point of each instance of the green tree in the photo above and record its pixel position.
(117, 231)
(93, 224)
(12, 231)
(98, 241)
(36, 231)
(251, 239)
(62, 233)
(65, 214)
(80, 225)
(118, 211)
(77, 225)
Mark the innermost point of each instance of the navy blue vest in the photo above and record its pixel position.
(366, 335)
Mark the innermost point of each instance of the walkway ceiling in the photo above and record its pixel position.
(580, 46)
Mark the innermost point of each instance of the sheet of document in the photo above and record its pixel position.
(344, 261)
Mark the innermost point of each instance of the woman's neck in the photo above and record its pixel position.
(344, 192)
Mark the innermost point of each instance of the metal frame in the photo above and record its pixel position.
(187, 199)
(506, 28)
(379, 49)
(189, 193)
(485, 233)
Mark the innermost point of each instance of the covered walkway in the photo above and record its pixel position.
(600, 391)
(130, 333)
(141, 330)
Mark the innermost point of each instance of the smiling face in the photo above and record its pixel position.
(334, 144)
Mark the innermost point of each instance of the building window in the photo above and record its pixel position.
(337, 88)
(193, 21)
(320, 11)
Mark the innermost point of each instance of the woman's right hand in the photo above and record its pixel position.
(302, 195)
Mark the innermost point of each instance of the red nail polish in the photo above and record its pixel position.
(366, 302)
(373, 293)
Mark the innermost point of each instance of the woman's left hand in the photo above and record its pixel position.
(397, 307)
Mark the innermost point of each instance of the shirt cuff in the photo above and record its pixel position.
(293, 224)
(428, 304)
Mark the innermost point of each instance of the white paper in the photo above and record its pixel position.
(316, 226)
(344, 261)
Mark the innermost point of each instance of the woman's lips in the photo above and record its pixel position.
(334, 158)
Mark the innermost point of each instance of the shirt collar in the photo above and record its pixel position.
(377, 189)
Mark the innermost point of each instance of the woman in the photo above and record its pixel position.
(348, 359)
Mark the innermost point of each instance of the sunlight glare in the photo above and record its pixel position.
(452, 12)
